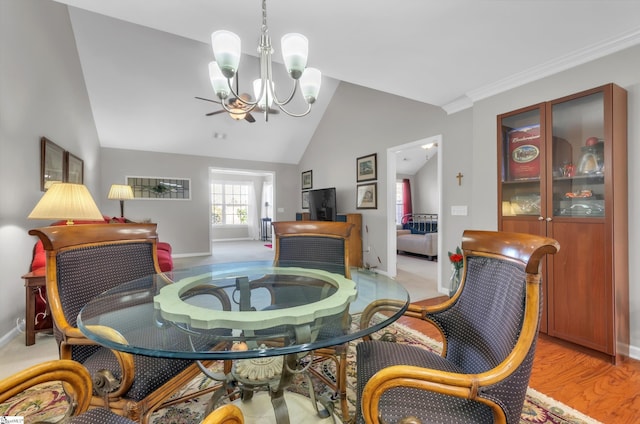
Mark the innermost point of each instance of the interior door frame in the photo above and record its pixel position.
(391, 206)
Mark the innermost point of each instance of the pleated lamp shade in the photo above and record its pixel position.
(120, 192)
(67, 201)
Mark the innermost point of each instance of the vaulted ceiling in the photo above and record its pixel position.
(145, 61)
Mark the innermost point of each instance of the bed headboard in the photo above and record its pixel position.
(420, 223)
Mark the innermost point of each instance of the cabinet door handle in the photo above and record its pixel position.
(549, 219)
(540, 218)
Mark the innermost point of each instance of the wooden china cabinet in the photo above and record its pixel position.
(562, 172)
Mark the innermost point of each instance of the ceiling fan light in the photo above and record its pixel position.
(310, 83)
(295, 50)
(257, 89)
(237, 114)
(226, 49)
(218, 81)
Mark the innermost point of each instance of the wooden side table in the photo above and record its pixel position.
(33, 283)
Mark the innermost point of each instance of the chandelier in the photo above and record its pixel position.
(222, 71)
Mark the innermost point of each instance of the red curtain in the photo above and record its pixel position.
(407, 207)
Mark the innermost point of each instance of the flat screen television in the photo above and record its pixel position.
(322, 204)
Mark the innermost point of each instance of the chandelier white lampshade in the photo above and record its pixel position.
(66, 201)
(120, 192)
(310, 83)
(227, 48)
(218, 81)
(295, 49)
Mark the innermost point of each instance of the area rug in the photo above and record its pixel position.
(538, 408)
(47, 402)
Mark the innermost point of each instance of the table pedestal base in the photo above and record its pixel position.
(259, 410)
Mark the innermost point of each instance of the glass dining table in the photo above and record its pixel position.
(264, 319)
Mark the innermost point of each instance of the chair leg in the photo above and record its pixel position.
(341, 370)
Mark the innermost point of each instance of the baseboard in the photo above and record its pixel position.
(190, 255)
(634, 352)
(6, 338)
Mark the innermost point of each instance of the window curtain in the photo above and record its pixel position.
(253, 223)
(407, 206)
(267, 200)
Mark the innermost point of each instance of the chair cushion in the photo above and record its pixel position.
(402, 402)
(158, 371)
(165, 261)
(99, 416)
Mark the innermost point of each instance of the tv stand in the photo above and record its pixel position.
(355, 240)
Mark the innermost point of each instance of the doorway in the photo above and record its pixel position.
(392, 154)
(240, 200)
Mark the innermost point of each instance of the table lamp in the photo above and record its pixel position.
(66, 201)
(120, 192)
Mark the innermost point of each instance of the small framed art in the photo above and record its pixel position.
(51, 163)
(73, 169)
(367, 168)
(367, 196)
(307, 180)
(305, 200)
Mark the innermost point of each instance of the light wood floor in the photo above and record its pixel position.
(608, 393)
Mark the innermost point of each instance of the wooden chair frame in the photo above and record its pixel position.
(57, 239)
(525, 249)
(337, 354)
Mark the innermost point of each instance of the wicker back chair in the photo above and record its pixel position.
(489, 330)
(321, 245)
(82, 262)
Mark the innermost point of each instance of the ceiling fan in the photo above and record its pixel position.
(239, 109)
(238, 106)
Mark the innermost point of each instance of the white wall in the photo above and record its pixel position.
(361, 121)
(42, 93)
(185, 223)
(426, 187)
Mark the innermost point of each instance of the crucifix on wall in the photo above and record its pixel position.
(459, 177)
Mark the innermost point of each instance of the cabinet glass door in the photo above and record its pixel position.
(578, 154)
(522, 163)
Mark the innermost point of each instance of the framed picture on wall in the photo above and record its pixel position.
(51, 163)
(367, 196)
(367, 168)
(305, 200)
(307, 180)
(74, 169)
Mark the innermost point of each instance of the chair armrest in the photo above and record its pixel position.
(413, 311)
(70, 372)
(73, 336)
(448, 383)
(225, 414)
